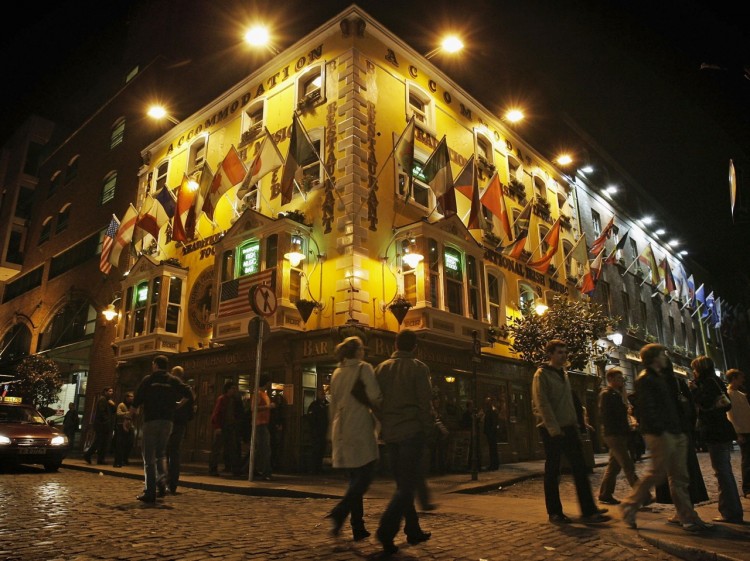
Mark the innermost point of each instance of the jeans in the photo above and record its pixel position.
(101, 444)
(123, 445)
(668, 460)
(729, 498)
(155, 437)
(173, 454)
(569, 443)
(406, 460)
(745, 463)
(262, 451)
(360, 479)
(619, 459)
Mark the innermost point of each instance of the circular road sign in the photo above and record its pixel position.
(262, 300)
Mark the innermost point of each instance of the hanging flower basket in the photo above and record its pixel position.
(399, 307)
(305, 308)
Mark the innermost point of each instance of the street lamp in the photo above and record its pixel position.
(514, 115)
(159, 112)
(259, 36)
(110, 312)
(450, 44)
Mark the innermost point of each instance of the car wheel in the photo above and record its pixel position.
(52, 466)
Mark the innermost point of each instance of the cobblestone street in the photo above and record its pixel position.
(81, 516)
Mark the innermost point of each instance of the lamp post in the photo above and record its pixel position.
(476, 358)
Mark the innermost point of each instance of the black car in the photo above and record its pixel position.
(26, 438)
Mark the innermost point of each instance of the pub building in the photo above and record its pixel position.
(353, 245)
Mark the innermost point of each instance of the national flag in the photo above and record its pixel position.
(234, 295)
(691, 291)
(493, 199)
(717, 313)
(156, 211)
(598, 244)
(612, 259)
(204, 186)
(591, 277)
(580, 254)
(515, 249)
(710, 305)
(109, 237)
(437, 173)
(403, 152)
(124, 234)
(700, 299)
(466, 184)
(648, 259)
(552, 238)
(230, 172)
(301, 152)
(186, 195)
(523, 219)
(667, 277)
(265, 161)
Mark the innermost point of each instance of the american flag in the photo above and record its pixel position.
(109, 238)
(234, 298)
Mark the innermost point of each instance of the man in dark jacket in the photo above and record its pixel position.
(104, 422)
(406, 420)
(182, 415)
(614, 416)
(159, 395)
(661, 425)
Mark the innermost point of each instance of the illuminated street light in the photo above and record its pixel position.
(612, 189)
(514, 115)
(683, 253)
(259, 36)
(646, 220)
(660, 232)
(673, 243)
(564, 159)
(451, 44)
(158, 112)
(541, 308)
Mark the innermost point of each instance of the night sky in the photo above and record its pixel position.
(618, 82)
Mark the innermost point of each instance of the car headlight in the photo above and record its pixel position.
(58, 440)
(4, 439)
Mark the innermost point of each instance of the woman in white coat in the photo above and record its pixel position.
(353, 433)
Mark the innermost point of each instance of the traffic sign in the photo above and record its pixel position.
(262, 300)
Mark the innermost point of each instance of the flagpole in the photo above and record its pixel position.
(317, 155)
(723, 348)
(631, 264)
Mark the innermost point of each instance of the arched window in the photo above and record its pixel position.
(496, 298)
(72, 170)
(197, 154)
(526, 297)
(46, 230)
(567, 248)
(311, 87)
(540, 187)
(73, 322)
(108, 187)
(253, 119)
(420, 104)
(160, 177)
(63, 218)
(54, 183)
(118, 133)
(16, 343)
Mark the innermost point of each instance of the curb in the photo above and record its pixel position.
(689, 553)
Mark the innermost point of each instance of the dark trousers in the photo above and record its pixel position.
(494, 456)
(173, 454)
(123, 445)
(570, 445)
(406, 461)
(319, 443)
(101, 444)
(745, 463)
(351, 504)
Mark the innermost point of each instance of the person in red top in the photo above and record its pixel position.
(262, 434)
(225, 422)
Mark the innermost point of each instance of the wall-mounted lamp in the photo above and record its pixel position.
(450, 379)
(295, 255)
(615, 337)
(411, 256)
(110, 312)
(540, 308)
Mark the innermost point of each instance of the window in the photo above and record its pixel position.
(683, 329)
(46, 230)
(174, 305)
(118, 133)
(544, 246)
(626, 308)
(453, 264)
(672, 331)
(160, 178)
(140, 305)
(596, 223)
(420, 105)
(311, 87)
(517, 226)
(312, 169)
(659, 320)
(644, 314)
(54, 183)
(25, 203)
(526, 297)
(409, 275)
(14, 253)
(495, 286)
(484, 148)
(252, 120)
(634, 248)
(540, 187)
(76, 255)
(433, 257)
(16, 343)
(472, 278)
(272, 253)
(197, 155)
(63, 217)
(567, 249)
(603, 296)
(33, 157)
(154, 304)
(419, 191)
(108, 188)
(74, 322)
(248, 258)
(72, 170)
(515, 170)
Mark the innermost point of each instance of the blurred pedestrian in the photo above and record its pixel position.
(491, 420)
(317, 413)
(264, 405)
(277, 428)
(158, 395)
(123, 431)
(70, 423)
(226, 421)
(717, 432)
(406, 420)
(739, 415)
(613, 413)
(104, 420)
(182, 415)
(353, 433)
(559, 427)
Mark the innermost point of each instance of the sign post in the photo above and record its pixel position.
(263, 301)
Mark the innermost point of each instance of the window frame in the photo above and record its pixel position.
(71, 171)
(117, 136)
(63, 218)
(109, 188)
(197, 154)
(312, 98)
(427, 113)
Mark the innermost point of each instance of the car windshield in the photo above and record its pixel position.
(14, 414)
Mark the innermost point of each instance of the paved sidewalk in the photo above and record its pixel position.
(458, 493)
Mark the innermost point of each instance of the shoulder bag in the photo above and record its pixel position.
(359, 390)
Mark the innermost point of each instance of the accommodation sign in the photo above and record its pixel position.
(505, 262)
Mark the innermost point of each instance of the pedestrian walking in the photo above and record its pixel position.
(613, 413)
(658, 416)
(739, 415)
(353, 433)
(226, 420)
(158, 396)
(717, 432)
(317, 414)
(406, 420)
(557, 420)
(263, 404)
(70, 423)
(123, 431)
(104, 419)
(182, 415)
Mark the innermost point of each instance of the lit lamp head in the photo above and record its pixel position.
(540, 308)
(295, 255)
(411, 256)
(616, 338)
(109, 312)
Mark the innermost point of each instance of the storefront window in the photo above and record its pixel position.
(140, 305)
(248, 258)
(453, 281)
(174, 305)
(153, 311)
(494, 287)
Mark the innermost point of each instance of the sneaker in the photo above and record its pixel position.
(694, 527)
(628, 515)
(609, 501)
(559, 519)
(389, 548)
(596, 518)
